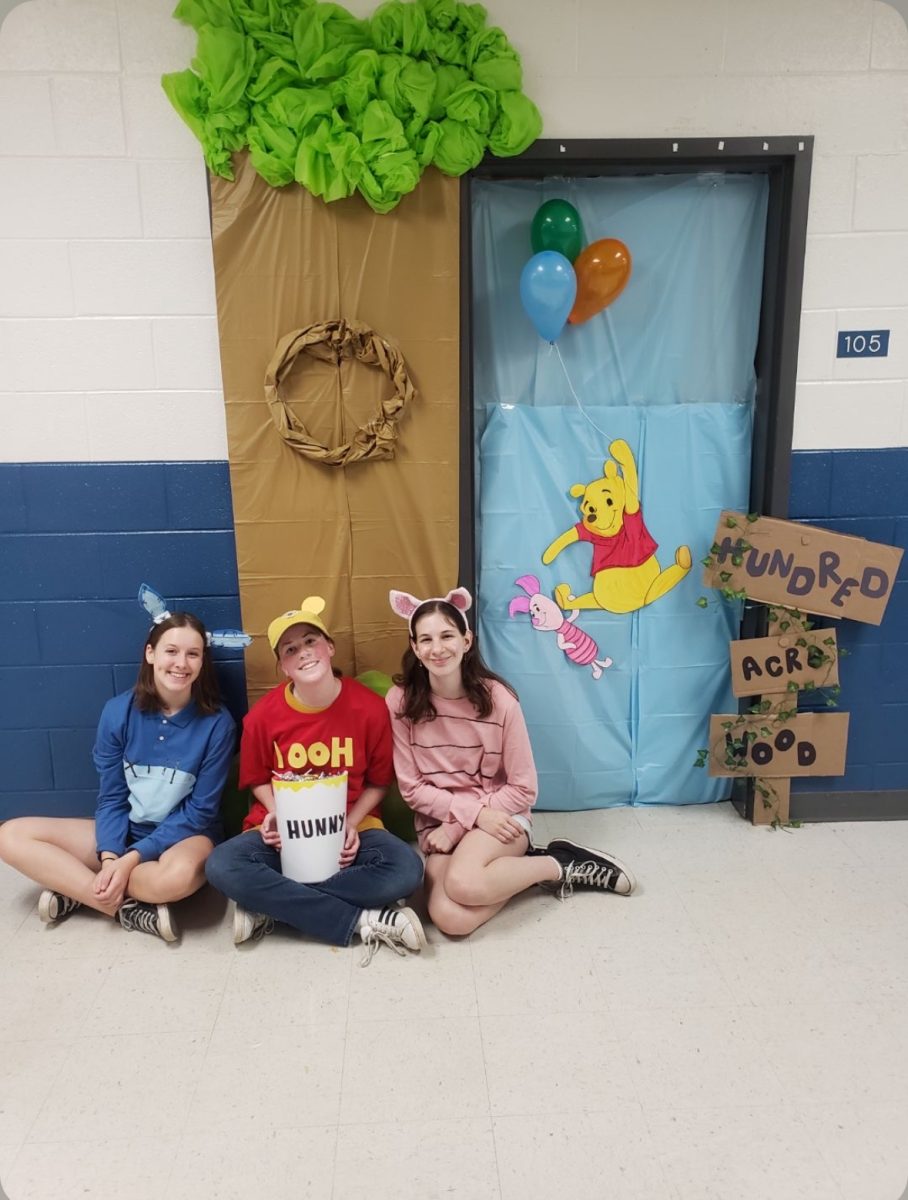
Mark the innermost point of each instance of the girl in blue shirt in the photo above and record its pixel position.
(162, 753)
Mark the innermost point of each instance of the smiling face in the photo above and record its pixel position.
(602, 506)
(440, 646)
(176, 661)
(304, 655)
(545, 613)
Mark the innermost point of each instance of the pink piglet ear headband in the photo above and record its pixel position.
(406, 605)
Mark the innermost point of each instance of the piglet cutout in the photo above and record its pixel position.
(545, 615)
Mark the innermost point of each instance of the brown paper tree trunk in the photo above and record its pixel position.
(285, 260)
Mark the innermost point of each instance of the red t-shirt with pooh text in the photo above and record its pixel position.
(629, 547)
(353, 734)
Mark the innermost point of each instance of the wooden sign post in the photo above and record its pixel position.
(776, 742)
(783, 564)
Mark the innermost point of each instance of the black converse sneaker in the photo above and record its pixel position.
(138, 916)
(54, 906)
(399, 928)
(248, 925)
(584, 867)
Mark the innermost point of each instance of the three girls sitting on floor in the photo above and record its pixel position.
(451, 730)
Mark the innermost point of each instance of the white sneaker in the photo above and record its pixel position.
(54, 906)
(248, 925)
(399, 928)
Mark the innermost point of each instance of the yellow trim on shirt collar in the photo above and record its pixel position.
(296, 704)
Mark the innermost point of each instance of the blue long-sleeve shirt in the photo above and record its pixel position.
(161, 777)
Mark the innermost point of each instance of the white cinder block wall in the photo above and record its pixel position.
(108, 342)
(108, 337)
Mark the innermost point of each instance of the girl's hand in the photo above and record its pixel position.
(439, 841)
(103, 877)
(351, 846)
(110, 882)
(499, 825)
(269, 831)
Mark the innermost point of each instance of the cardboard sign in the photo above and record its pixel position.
(763, 666)
(801, 566)
(808, 744)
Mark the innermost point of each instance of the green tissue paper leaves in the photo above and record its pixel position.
(341, 104)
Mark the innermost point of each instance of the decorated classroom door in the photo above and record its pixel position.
(604, 460)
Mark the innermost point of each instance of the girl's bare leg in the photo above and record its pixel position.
(179, 872)
(467, 887)
(57, 852)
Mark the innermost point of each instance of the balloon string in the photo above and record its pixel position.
(601, 432)
(586, 415)
(619, 368)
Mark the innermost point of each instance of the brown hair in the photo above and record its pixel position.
(205, 690)
(335, 671)
(414, 678)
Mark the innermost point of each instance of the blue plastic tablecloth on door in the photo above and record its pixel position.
(631, 736)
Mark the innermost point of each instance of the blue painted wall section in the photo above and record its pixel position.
(76, 540)
(865, 493)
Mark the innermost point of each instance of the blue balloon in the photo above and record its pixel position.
(548, 287)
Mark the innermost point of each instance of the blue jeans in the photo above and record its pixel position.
(385, 870)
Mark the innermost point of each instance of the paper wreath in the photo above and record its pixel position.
(156, 607)
(332, 341)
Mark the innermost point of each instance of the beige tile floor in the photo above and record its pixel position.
(737, 1030)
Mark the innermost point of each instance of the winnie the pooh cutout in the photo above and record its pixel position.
(626, 575)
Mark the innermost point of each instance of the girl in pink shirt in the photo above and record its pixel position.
(464, 764)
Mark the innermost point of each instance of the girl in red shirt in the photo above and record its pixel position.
(318, 721)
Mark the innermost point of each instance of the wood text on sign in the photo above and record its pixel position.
(803, 566)
(768, 665)
(807, 744)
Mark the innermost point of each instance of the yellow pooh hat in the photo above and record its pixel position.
(307, 614)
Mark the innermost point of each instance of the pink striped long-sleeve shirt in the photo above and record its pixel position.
(449, 769)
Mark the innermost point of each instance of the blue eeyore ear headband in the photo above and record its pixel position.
(156, 607)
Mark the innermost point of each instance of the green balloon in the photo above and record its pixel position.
(557, 226)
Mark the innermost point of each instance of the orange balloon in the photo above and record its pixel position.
(602, 271)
